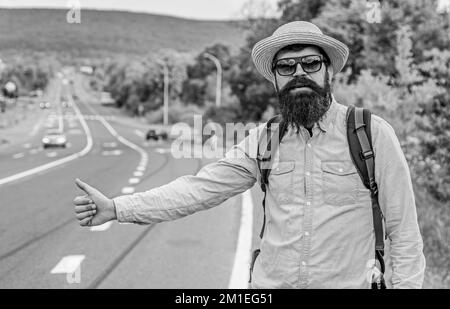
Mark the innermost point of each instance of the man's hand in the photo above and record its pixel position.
(93, 208)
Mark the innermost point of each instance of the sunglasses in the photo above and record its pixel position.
(288, 66)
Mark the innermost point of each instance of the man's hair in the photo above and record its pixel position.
(299, 47)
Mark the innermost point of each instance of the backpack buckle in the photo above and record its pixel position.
(366, 154)
(373, 186)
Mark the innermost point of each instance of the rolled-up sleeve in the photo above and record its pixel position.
(211, 186)
(397, 201)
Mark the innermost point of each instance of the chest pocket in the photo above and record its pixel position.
(281, 182)
(340, 183)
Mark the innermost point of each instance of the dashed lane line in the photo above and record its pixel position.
(127, 190)
(133, 181)
(68, 264)
(18, 155)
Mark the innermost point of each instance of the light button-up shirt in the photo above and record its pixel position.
(319, 228)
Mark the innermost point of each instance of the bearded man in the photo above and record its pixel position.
(319, 231)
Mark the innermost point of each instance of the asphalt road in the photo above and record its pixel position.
(38, 229)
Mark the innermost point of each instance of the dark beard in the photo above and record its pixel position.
(304, 109)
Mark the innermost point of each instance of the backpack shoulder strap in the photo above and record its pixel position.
(361, 151)
(268, 144)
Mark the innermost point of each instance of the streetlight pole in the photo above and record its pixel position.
(219, 77)
(166, 93)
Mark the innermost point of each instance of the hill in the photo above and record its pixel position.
(110, 32)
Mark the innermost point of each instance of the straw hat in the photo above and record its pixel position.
(297, 32)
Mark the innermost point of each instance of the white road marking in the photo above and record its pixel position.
(35, 150)
(133, 181)
(27, 145)
(52, 154)
(110, 145)
(58, 162)
(127, 190)
(139, 133)
(162, 150)
(138, 174)
(101, 228)
(68, 264)
(124, 141)
(18, 155)
(116, 152)
(242, 259)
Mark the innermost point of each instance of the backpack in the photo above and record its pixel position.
(361, 151)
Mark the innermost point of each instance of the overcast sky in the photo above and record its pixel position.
(197, 9)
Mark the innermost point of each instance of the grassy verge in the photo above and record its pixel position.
(434, 221)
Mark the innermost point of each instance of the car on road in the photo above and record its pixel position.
(106, 99)
(66, 103)
(156, 135)
(54, 138)
(45, 104)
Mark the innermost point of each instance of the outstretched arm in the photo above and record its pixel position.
(213, 184)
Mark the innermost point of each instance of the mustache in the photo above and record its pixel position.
(303, 82)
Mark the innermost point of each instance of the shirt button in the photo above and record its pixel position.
(304, 263)
(341, 170)
(309, 145)
(308, 173)
(306, 233)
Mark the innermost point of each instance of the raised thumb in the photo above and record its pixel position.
(84, 186)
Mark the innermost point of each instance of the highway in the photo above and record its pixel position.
(41, 243)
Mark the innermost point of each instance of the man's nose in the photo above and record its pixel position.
(299, 71)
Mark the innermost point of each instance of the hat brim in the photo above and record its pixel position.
(264, 51)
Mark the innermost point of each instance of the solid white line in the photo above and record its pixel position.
(242, 259)
(127, 190)
(58, 162)
(101, 228)
(68, 264)
(18, 155)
